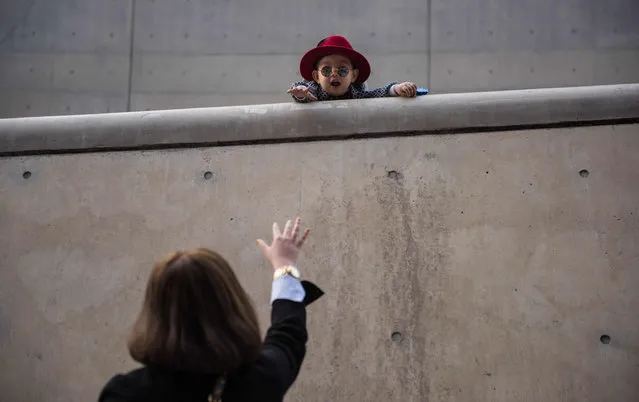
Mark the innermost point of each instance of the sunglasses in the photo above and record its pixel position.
(327, 71)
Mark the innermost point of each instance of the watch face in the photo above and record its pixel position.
(287, 270)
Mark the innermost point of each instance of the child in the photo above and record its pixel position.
(333, 70)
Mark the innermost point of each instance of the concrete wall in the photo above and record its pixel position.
(94, 56)
(478, 265)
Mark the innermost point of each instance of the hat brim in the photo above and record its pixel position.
(307, 64)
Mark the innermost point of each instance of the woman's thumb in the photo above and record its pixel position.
(262, 245)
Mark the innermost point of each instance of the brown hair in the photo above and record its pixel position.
(196, 316)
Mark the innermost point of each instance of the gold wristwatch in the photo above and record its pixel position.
(287, 270)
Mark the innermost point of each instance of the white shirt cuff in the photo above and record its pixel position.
(288, 288)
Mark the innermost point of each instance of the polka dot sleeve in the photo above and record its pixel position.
(359, 92)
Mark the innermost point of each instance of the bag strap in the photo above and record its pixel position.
(218, 389)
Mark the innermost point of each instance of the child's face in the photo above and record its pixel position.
(335, 74)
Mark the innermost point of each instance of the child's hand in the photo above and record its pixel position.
(301, 92)
(405, 89)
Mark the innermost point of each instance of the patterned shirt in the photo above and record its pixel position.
(354, 92)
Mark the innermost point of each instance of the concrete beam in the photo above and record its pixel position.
(340, 119)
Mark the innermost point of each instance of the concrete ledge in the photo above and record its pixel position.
(339, 119)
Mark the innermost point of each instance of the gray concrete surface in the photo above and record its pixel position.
(97, 56)
(290, 121)
(482, 266)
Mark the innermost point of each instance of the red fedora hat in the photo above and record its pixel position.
(334, 45)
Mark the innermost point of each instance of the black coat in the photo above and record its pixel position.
(265, 380)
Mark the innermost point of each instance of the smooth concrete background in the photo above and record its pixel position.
(496, 261)
(62, 57)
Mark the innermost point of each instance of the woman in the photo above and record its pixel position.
(198, 335)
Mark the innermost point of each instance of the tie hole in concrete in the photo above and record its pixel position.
(394, 174)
